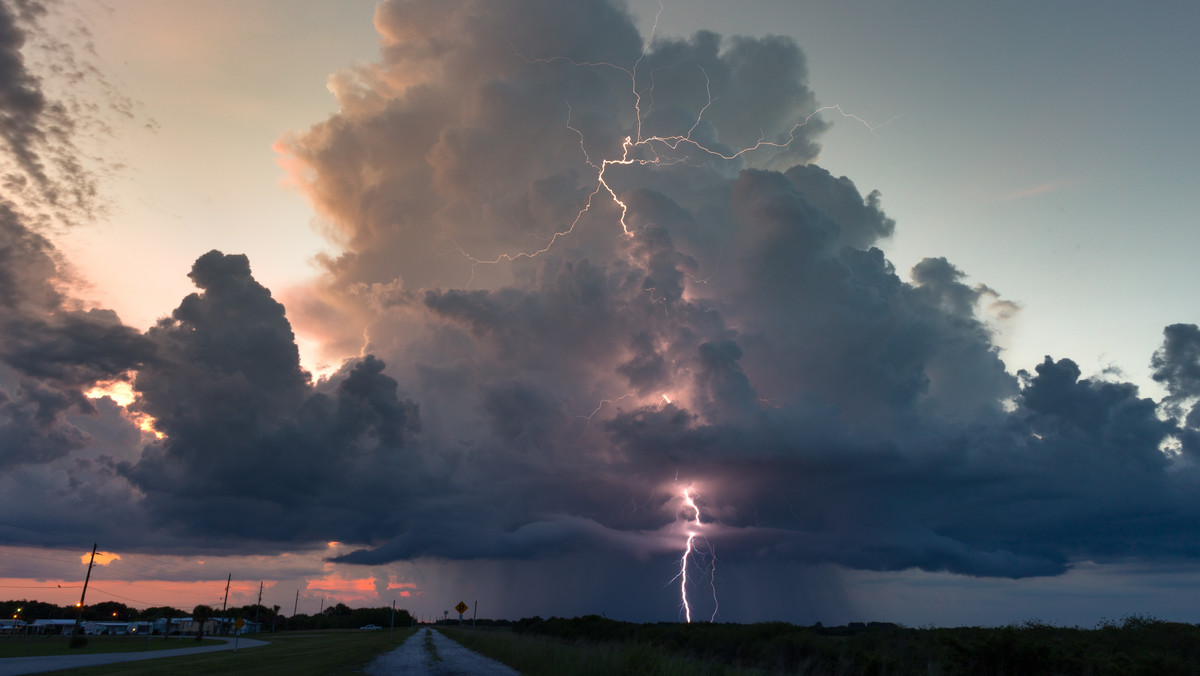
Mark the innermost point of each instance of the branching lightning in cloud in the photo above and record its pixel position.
(650, 150)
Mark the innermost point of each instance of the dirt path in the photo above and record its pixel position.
(413, 659)
(12, 666)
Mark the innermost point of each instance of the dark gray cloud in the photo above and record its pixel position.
(21, 98)
(249, 443)
(748, 336)
(51, 352)
(56, 445)
(1177, 366)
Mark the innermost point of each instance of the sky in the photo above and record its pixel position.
(848, 311)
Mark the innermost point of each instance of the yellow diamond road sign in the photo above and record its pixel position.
(240, 623)
(461, 607)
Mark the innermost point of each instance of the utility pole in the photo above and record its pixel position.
(226, 601)
(392, 629)
(79, 615)
(296, 604)
(476, 614)
(322, 606)
(259, 605)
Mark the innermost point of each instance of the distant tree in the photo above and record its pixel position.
(157, 612)
(109, 611)
(200, 615)
(300, 622)
(31, 610)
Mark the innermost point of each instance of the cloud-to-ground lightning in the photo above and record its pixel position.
(639, 149)
(695, 525)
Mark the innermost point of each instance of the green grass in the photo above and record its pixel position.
(539, 656)
(289, 654)
(36, 646)
(1138, 645)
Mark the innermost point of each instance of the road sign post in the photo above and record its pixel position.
(461, 608)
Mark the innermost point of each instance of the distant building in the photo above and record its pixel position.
(187, 625)
(53, 627)
(212, 626)
(116, 628)
(12, 626)
(228, 625)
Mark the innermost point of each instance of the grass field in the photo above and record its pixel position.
(589, 645)
(289, 654)
(540, 656)
(34, 646)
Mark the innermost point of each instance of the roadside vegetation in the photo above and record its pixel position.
(537, 655)
(431, 649)
(594, 645)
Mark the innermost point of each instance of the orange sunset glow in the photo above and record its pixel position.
(139, 593)
(102, 558)
(337, 587)
(121, 392)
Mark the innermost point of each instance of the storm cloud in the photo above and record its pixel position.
(246, 434)
(51, 350)
(748, 335)
(566, 296)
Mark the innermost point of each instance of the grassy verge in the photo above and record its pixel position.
(37, 646)
(539, 656)
(289, 653)
(1136, 645)
(430, 648)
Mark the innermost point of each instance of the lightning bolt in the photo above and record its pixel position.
(693, 532)
(588, 418)
(647, 150)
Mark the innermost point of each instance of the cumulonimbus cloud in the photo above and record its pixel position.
(553, 346)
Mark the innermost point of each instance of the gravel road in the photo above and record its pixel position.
(412, 659)
(12, 666)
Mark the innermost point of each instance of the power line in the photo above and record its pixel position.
(95, 588)
(46, 558)
(15, 586)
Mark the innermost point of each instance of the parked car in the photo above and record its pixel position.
(370, 626)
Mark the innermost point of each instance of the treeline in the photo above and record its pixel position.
(1136, 645)
(338, 616)
(478, 622)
